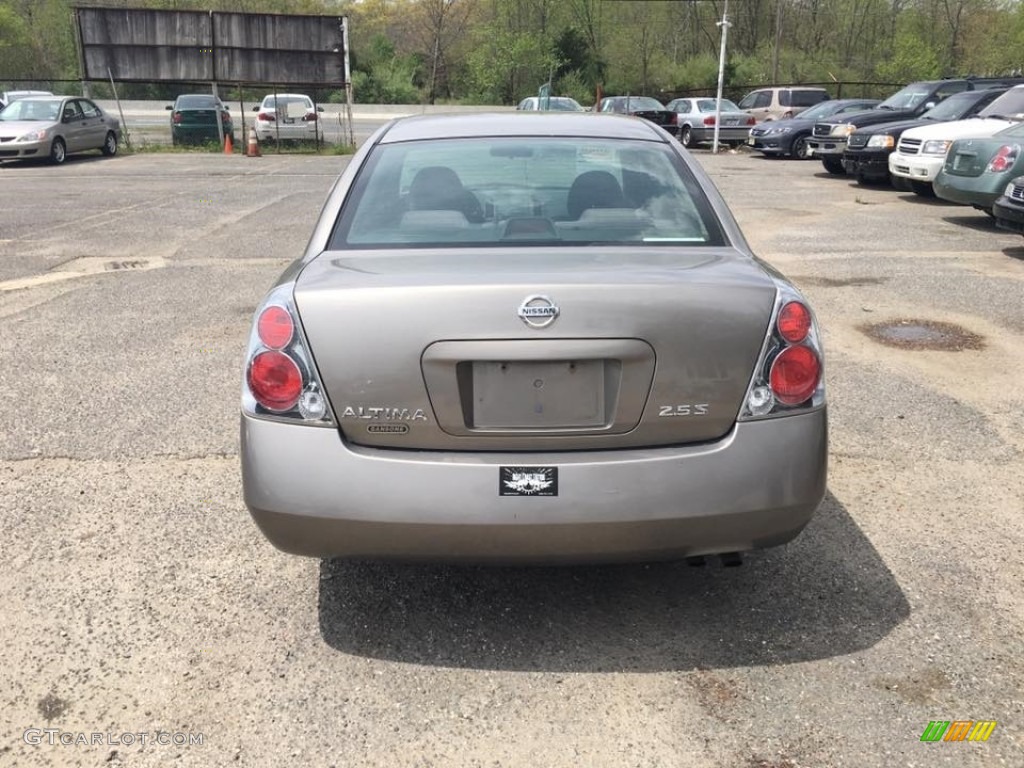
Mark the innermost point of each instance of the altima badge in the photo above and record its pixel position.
(538, 311)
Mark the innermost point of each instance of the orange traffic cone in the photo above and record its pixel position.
(228, 147)
(253, 150)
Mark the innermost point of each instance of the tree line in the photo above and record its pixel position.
(499, 51)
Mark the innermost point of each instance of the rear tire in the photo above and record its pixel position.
(798, 150)
(834, 166)
(922, 188)
(110, 144)
(58, 151)
(686, 136)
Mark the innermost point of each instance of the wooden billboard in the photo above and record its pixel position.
(140, 45)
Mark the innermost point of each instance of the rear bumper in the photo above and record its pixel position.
(703, 134)
(198, 134)
(299, 131)
(978, 191)
(313, 494)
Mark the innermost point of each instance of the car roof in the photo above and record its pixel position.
(581, 124)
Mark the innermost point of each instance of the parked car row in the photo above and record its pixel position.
(958, 139)
(693, 119)
(279, 117)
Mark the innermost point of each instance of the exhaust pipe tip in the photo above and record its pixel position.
(697, 561)
(731, 559)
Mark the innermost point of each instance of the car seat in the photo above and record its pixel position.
(593, 189)
(438, 188)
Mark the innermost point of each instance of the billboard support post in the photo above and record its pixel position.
(348, 81)
(127, 134)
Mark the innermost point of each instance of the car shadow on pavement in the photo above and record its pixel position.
(977, 221)
(1015, 253)
(827, 593)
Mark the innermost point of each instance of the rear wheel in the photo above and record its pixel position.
(922, 188)
(799, 148)
(110, 144)
(834, 165)
(58, 152)
(685, 136)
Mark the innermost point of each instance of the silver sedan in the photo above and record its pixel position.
(530, 338)
(696, 119)
(52, 127)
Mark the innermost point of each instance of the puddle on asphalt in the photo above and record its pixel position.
(923, 335)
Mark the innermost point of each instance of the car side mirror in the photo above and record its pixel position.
(256, 109)
(930, 104)
(319, 109)
(169, 107)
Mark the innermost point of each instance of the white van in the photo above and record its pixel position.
(8, 96)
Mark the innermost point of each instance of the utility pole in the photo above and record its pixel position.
(724, 24)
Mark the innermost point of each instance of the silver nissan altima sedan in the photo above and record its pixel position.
(530, 338)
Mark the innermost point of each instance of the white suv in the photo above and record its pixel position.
(921, 152)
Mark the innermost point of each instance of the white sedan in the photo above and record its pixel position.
(288, 117)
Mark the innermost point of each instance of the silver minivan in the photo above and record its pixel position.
(779, 103)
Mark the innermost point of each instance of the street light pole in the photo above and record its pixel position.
(724, 24)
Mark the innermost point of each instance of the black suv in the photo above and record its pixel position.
(828, 139)
(868, 149)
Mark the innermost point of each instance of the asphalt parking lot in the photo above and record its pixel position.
(138, 598)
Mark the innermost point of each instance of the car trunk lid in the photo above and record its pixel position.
(504, 350)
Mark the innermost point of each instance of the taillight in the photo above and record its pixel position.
(795, 374)
(789, 374)
(265, 116)
(310, 117)
(176, 118)
(794, 322)
(275, 327)
(275, 381)
(1004, 159)
(751, 120)
(281, 381)
(709, 120)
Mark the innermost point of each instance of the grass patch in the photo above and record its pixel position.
(307, 148)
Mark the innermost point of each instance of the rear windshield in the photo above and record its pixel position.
(708, 105)
(955, 106)
(287, 101)
(196, 102)
(518, 191)
(633, 104)
(802, 98)
(561, 104)
(1009, 106)
(907, 98)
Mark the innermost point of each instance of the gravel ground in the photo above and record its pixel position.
(138, 598)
